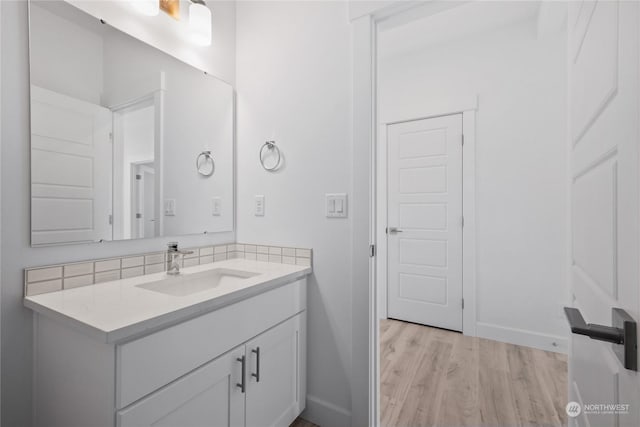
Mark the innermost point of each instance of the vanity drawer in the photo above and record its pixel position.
(146, 364)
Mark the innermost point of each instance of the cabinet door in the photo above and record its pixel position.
(208, 396)
(276, 386)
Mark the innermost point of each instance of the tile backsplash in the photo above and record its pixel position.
(41, 280)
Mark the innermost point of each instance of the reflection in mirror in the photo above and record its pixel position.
(134, 166)
(116, 130)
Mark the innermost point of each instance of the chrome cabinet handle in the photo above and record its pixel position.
(257, 373)
(393, 230)
(244, 373)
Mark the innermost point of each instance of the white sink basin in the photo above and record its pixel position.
(187, 284)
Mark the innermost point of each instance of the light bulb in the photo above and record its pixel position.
(200, 23)
(147, 7)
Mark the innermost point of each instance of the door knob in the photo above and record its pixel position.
(622, 334)
(393, 230)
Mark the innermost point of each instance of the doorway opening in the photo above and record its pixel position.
(142, 199)
(135, 170)
(424, 221)
(471, 216)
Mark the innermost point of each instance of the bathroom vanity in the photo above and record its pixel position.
(221, 344)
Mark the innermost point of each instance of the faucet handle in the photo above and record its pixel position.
(172, 246)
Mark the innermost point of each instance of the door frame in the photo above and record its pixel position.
(365, 375)
(135, 94)
(467, 108)
(153, 99)
(135, 197)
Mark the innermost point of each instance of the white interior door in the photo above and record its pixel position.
(604, 86)
(425, 221)
(71, 158)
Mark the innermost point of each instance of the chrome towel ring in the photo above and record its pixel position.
(270, 146)
(207, 166)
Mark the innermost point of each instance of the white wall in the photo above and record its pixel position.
(293, 84)
(520, 160)
(16, 253)
(74, 66)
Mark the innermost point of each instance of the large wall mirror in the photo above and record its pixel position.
(127, 142)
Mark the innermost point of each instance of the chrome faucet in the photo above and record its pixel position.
(173, 258)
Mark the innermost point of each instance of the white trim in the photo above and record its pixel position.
(155, 99)
(469, 317)
(323, 413)
(365, 376)
(0, 203)
(374, 330)
(468, 212)
(364, 329)
(158, 132)
(381, 170)
(523, 337)
(428, 110)
(136, 91)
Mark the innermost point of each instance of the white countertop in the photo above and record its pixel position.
(119, 310)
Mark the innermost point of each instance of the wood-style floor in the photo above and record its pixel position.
(302, 423)
(434, 377)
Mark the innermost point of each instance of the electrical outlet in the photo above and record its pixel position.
(169, 207)
(216, 206)
(259, 206)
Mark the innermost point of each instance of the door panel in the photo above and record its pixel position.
(71, 159)
(277, 398)
(603, 109)
(425, 204)
(206, 397)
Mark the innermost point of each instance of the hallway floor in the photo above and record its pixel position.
(434, 377)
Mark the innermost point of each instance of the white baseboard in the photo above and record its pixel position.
(325, 414)
(522, 337)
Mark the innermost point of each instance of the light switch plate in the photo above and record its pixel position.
(259, 205)
(216, 206)
(336, 205)
(169, 207)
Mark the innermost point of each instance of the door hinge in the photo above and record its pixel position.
(111, 136)
(110, 219)
(462, 221)
(372, 251)
(138, 176)
(138, 215)
(463, 303)
(463, 139)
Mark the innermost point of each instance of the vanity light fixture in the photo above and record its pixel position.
(199, 16)
(147, 7)
(200, 23)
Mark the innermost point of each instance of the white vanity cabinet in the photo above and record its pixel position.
(255, 385)
(206, 397)
(275, 378)
(243, 364)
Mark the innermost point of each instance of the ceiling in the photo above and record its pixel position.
(440, 22)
